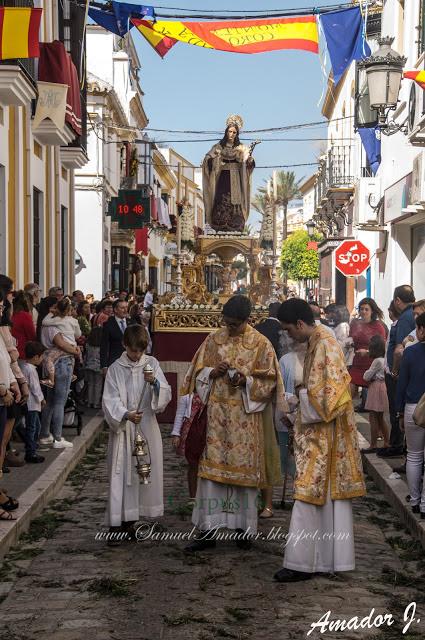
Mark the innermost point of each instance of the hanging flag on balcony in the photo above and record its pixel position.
(417, 76)
(141, 241)
(118, 20)
(239, 36)
(371, 141)
(51, 103)
(19, 28)
(345, 35)
(56, 66)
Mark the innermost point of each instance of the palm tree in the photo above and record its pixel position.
(288, 188)
(259, 201)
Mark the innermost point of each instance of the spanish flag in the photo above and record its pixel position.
(417, 76)
(162, 44)
(19, 29)
(241, 36)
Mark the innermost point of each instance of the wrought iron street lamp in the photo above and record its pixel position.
(384, 71)
(311, 227)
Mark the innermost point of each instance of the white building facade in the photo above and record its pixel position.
(115, 120)
(37, 163)
(384, 211)
(401, 258)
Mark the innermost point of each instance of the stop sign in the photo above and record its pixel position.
(352, 257)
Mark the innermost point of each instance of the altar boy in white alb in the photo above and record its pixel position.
(132, 397)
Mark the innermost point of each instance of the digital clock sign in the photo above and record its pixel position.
(130, 209)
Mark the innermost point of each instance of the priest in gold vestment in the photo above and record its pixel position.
(236, 373)
(328, 463)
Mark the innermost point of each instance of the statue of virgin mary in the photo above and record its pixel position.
(226, 180)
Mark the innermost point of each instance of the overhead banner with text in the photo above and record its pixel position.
(241, 36)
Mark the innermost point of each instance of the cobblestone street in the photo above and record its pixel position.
(60, 583)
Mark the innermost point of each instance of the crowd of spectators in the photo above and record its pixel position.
(52, 348)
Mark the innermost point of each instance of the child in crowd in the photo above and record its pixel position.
(377, 398)
(35, 403)
(70, 330)
(94, 375)
(188, 408)
(291, 367)
(131, 398)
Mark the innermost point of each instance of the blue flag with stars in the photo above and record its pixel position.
(345, 38)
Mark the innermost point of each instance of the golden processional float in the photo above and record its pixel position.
(205, 273)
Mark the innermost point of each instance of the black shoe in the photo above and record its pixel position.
(415, 509)
(117, 537)
(241, 542)
(202, 542)
(5, 469)
(288, 575)
(390, 452)
(34, 458)
(407, 498)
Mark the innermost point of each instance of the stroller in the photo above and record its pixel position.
(73, 413)
(73, 416)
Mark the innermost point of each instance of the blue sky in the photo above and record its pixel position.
(195, 88)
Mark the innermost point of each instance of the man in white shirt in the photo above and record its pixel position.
(148, 301)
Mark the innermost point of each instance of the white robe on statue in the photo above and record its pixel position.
(124, 384)
(221, 505)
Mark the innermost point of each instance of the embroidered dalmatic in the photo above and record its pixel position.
(240, 449)
(327, 453)
(328, 463)
(241, 453)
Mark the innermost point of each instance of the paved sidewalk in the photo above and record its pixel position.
(34, 485)
(60, 583)
(395, 489)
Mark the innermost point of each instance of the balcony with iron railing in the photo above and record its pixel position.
(333, 190)
(335, 176)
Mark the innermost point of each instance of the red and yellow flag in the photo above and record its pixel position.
(19, 29)
(241, 36)
(417, 76)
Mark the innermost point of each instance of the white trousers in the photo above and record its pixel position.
(320, 539)
(415, 439)
(225, 506)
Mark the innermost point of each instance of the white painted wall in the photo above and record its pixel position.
(89, 242)
(395, 266)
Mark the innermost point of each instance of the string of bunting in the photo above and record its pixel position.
(342, 25)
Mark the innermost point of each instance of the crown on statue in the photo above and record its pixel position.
(234, 120)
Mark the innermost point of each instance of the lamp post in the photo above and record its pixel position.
(274, 286)
(311, 227)
(384, 71)
(179, 298)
